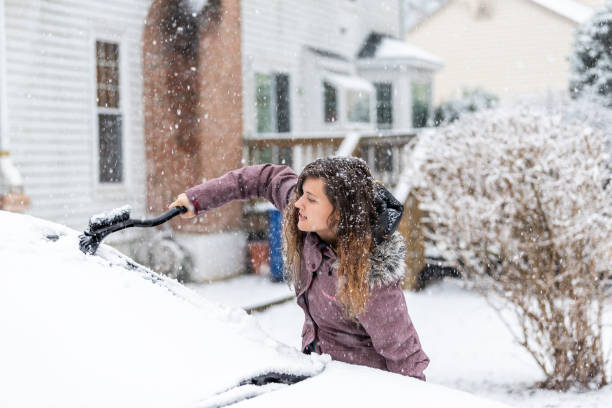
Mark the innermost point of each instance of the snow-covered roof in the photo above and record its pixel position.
(392, 48)
(420, 10)
(327, 54)
(349, 82)
(569, 9)
(386, 49)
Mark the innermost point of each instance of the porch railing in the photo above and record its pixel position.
(383, 150)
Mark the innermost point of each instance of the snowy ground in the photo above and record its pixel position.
(469, 347)
(245, 291)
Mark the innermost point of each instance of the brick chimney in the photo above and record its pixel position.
(220, 104)
(192, 103)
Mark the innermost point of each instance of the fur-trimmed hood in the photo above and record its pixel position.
(388, 258)
(387, 261)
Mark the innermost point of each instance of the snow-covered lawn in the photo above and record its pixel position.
(470, 348)
(244, 291)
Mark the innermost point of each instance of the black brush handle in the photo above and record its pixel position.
(173, 212)
(137, 223)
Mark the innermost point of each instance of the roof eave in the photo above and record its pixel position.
(398, 63)
(578, 16)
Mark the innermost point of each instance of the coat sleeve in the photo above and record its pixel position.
(393, 335)
(272, 182)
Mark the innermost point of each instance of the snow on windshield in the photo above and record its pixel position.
(82, 330)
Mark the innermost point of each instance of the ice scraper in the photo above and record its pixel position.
(106, 223)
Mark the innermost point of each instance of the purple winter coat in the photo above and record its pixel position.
(384, 336)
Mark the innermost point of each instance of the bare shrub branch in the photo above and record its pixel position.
(520, 198)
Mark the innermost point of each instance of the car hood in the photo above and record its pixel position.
(83, 330)
(342, 384)
(100, 331)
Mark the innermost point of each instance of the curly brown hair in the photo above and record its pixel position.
(350, 189)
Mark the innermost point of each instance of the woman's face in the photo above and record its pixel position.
(314, 209)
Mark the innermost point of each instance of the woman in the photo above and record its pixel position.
(343, 253)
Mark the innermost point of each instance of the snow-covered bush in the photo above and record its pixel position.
(519, 198)
(471, 100)
(591, 61)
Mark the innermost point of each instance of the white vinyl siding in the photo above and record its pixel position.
(522, 49)
(51, 77)
(275, 34)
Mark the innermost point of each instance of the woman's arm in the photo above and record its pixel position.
(393, 335)
(272, 182)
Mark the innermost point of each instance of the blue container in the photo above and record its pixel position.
(275, 225)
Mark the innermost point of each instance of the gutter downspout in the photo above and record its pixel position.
(11, 183)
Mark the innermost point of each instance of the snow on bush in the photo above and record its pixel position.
(591, 62)
(520, 199)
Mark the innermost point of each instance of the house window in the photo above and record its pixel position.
(271, 154)
(357, 106)
(330, 102)
(263, 100)
(108, 97)
(421, 102)
(272, 98)
(384, 105)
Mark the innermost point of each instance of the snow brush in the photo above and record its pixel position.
(106, 223)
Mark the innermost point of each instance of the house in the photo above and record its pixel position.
(240, 82)
(132, 102)
(71, 106)
(508, 47)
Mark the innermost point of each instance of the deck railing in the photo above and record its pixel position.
(384, 150)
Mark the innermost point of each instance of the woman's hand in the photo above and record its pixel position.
(184, 201)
